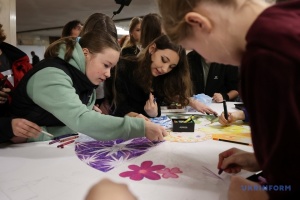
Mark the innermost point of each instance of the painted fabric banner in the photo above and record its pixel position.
(106, 155)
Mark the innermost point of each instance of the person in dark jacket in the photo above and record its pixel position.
(35, 58)
(216, 80)
(14, 63)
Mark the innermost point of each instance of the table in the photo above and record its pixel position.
(39, 171)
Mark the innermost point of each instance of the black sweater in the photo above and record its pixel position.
(132, 97)
(221, 78)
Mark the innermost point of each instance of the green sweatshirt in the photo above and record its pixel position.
(52, 89)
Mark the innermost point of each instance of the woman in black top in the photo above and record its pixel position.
(159, 73)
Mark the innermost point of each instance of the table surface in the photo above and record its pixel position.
(39, 171)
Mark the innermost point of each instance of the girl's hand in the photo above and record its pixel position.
(217, 97)
(137, 115)
(151, 106)
(234, 160)
(155, 132)
(4, 95)
(232, 117)
(25, 129)
(201, 107)
(97, 109)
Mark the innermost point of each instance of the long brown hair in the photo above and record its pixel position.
(99, 22)
(68, 27)
(174, 86)
(151, 28)
(95, 41)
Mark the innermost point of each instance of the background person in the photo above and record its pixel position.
(72, 28)
(35, 58)
(132, 47)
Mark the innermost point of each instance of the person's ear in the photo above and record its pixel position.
(199, 21)
(152, 48)
(85, 51)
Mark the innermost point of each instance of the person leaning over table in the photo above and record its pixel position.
(151, 28)
(101, 22)
(264, 40)
(213, 79)
(59, 93)
(160, 72)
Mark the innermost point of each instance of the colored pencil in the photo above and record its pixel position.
(53, 141)
(64, 136)
(69, 138)
(236, 142)
(64, 144)
(220, 171)
(225, 110)
(189, 119)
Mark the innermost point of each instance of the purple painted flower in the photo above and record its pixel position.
(146, 170)
(106, 155)
(169, 173)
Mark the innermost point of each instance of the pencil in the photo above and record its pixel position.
(225, 110)
(220, 171)
(236, 142)
(46, 133)
(69, 138)
(53, 141)
(64, 136)
(64, 144)
(189, 119)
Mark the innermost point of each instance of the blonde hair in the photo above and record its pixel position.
(173, 13)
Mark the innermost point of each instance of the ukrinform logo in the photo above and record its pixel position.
(278, 188)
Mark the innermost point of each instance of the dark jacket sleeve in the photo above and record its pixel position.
(231, 80)
(125, 89)
(196, 72)
(123, 96)
(6, 132)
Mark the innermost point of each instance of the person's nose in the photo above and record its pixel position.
(107, 74)
(164, 68)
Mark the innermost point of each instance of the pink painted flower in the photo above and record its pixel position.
(169, 173)
(145, 170)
